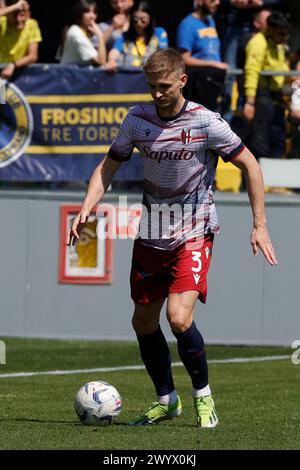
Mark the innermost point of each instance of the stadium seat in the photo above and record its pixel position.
(228, 177)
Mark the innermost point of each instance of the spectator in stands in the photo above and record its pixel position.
(119, 23)
(77, 46)
(199, 44)
(19, 37)
(142, 39)
(197, 37)
(295, 111)
(264, 98)
(260, 25)
(295, 99)
(238, 123)
(235, 20)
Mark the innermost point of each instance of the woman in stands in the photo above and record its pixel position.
(20, 36)
(142, 39)
(78, 47)
(119, 22)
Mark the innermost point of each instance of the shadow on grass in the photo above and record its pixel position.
(77, 423)
(159, 425)
(33, 420)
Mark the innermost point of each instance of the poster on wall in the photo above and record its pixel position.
(89, 261)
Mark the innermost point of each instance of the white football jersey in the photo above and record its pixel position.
(180, 158)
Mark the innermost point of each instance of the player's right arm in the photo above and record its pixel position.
(20, 5)
(120, 150)
(99, 182)
(260, 239)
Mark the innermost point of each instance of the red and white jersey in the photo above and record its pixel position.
(180, 159)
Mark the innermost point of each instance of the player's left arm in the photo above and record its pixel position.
(30, 58)
(20, 5)
(260, 238)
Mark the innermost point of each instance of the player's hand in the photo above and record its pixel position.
(249, 111)
(22, 5)
(8, 71)
(111, 66)
(256, 3)
(119, 21)
(77, 226)
(260, 240)
(93, 28)
(240, 3)
(219, 65)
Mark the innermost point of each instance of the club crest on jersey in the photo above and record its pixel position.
(186, 136)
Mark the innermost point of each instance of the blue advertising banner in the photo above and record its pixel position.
(58, 122)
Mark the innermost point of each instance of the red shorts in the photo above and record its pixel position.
(157, 273)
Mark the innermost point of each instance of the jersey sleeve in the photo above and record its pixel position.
(119, 44)
(34, 32)
(222, 140)
(185, 35)
(122, 147)
(255, 56)
(86, 50)
(162, 36)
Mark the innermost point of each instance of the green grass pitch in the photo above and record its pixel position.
(257, 403)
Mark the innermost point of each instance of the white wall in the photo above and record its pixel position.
(248, 301)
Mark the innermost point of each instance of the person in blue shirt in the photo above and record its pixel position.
(142, 39)
(199, 44)
(197, 37)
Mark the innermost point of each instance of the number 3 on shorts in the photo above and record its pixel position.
(197, 259)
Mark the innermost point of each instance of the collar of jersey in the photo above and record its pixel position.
(177, 115)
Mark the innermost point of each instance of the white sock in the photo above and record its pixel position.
(167, 399)
(202, 392)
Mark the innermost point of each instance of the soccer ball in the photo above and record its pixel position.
(97, 403)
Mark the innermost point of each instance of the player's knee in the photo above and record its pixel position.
(143, 325)
(180, 319)
(136, 323)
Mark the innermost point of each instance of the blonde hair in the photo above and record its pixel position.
(164, 61)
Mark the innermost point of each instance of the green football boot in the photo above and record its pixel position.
(158, 412)
(206, 413)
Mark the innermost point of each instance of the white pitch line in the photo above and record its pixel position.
(234, 360)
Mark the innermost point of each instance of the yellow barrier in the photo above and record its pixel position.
(228, 177)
